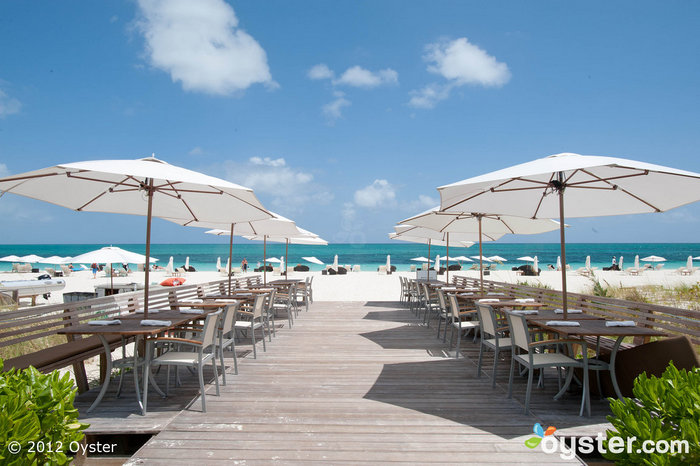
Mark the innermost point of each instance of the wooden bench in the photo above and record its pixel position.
(29, 336)
(671, 320)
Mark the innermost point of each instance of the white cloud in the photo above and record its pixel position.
(334, 110)
(201, 46)
(196, 151)
(288, 189)
(357, 76)
(460, 63)
(4, 171)
(320, 71)
(379, 193)
(429, 95)
(422, 203)
(8, 105)
(465, 63)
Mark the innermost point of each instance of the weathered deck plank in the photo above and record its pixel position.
(354, 383)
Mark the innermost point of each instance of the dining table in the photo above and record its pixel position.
(129, 326)
(595, 328)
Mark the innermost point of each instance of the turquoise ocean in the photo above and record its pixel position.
(370, 256)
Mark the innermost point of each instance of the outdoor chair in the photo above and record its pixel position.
(533, 358)
(462, 321)
(286, 301)
(303, 292)
(227, 338)
(250, 318)
(270, 313)
(203, 350)
(492, 337)
(444, 313)
(430, 304)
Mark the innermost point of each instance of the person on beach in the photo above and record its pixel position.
(244, 265)
(93, 266)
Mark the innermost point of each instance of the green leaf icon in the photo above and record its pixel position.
(532, 442)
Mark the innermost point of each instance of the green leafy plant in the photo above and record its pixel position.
(599, 289)
(664, 408)
(38, 422)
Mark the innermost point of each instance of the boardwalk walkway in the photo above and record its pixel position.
(362, 382)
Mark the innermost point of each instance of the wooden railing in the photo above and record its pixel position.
(671, 320)
(29, 336)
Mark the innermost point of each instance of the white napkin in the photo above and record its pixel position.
(105, 322)
(191, 300)
(150, 311)
(489, 300)
(563, 323)
(619, 323)
(191, 311)
(569, 311)
(466, 294)
(521, 312)
(524, 300)
(493, 293)
(227, 300)
(156, 323)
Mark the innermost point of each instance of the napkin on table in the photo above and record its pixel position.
(524, 300)
(563, 323)
(150, 311)
(156, 323)
(191, 311)
(619, 323)
(191, 300)
(105, 322)
(489, 300)
(569, 311)
(524, 312)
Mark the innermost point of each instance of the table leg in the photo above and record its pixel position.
(108, 362)
(135, 370)
(613, 377)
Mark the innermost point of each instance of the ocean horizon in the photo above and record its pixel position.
(369, 256)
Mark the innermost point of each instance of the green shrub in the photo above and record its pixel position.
(665, 408)
(36, 412)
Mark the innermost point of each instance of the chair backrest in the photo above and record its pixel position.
(270, 298)
(441, 300)
(211, 324)
(518, 331)
(259, 305)
(454, 305)
(487, 317)
(229, 317)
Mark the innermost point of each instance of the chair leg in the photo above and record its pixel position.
(481, 355)
(221, 358)
(495, 363)
(529, 390)
(201, 388)
(510, 377)
(252, 337)
(459, 341)
(216, 373)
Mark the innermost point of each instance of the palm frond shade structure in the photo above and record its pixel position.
(480, 223)
(590, 186)
(147, 186)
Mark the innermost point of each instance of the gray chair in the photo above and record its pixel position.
(250, 319)
(462, 321)
(492, 337)
(203, 350)
(532, 359)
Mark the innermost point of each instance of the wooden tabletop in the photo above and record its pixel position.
(131, 326)
(597, 327)
(549, 314)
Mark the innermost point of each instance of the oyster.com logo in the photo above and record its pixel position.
(533, 442)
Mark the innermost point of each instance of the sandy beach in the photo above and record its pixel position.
(370, 286)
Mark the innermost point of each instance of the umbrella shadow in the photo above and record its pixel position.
(408, 336)
(449, 389)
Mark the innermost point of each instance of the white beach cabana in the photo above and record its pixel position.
(148, 187)
(591, 185)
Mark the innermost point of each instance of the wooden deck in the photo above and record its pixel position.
(350, 383)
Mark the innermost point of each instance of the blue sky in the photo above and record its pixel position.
(345, 115)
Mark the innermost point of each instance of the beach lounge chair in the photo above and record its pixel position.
(51, 271)
(413, 267)
(66, 270)
(381, 270)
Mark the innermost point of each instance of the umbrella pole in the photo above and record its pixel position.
(286, 259)
(447, 270)
(428, 276)
(563, 246)
(264, 259)
(111, 277)
(149, 193)
(481, 259)
(230, 259)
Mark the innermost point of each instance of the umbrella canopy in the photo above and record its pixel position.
(621, 262)
(57, 260)
(653, 259)
(421, 259)
(592, 185)
(313, 260)
(274, 260)
(31, 258)
(148, 186)
(498, 259)
(689, 263)
(437, 262)
(636, 262)
(559, 263)
(462, 259)
(696, 258)
(335, 262)
(11, 258)
(588, 262)
(536, 265)
(481, 258)
(388, 263)
(526, 259)
(110, 255)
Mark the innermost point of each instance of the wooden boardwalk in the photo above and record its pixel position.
(358, 382)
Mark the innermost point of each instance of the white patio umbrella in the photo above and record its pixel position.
(593, 186)
(559, 263)
(388, 263)
(313, 260)
(696, 258)
(335, 262)
(463, 259)
(526, 259)
(653, 259)
(421, 259)
(218, 263)
(301, 237)
(274, 260)
(148, 186)
(588, 262)
(31, 258)
(437, 263)
(56, 260)
(110, 255)
(498, 259)
(479, 223)
(10, 258)
(636, 262)
(536, 265)
(187, 263)
(689, 263)
(621, 262)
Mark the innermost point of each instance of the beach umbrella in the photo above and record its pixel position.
(335, 262)
(187, 263)
(620, 263)
(421, 259)
(558, 262)
(301, 237)
(526, 259)
(274, 260)
(463, 259)
(689, 263)
(653, 259)
(696, 258)
(479, 223)
(11, 258)
(282, 264)
(498, 259)
(147, 186)
(111, 255)
(313, 260)
(481, 258)
(56, 260)
(31, 258)
(592, 186)
(388, 263)
(536, 265)
(588, 262)
(218, 264)
(437, 263)
(636, 262)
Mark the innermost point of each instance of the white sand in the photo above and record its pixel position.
(370, 286)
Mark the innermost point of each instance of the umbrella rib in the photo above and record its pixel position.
(616, 187)
(179, 196)
(246, 202)
(102, 193)
(544, 193)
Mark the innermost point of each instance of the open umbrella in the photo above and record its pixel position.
(526, 259)
(56, 260)
(484, 224)
(111, 255)
(636, 262)
(301, 237)
(10, 258)
(437, 263)
(388, 263)
(498, 259)
(653, 259)
(592, 185)
(148, 186)
(313, 260)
